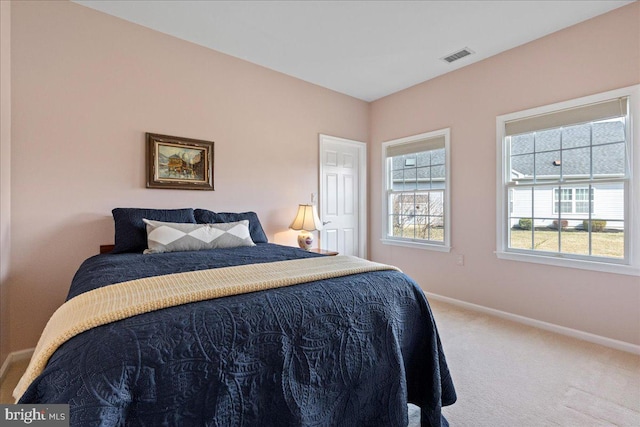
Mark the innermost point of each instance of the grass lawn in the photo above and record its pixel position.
(609, 244)
(433, 233)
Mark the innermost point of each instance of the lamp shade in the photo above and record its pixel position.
(306, 219)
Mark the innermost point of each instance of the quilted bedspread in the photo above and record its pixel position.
(345, 351)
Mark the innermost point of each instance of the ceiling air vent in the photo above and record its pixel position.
(458, 55)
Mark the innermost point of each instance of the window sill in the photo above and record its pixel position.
(571, 263)
(418, 245)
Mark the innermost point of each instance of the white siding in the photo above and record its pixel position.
(608, 205)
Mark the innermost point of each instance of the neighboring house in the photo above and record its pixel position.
(565, 153)
(418, 180)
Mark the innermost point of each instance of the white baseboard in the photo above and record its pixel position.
(574, 333)
(12, 357)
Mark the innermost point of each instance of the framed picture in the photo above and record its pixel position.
(179, 163)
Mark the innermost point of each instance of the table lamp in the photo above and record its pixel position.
(307, 221)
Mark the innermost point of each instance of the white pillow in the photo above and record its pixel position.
(173, 237)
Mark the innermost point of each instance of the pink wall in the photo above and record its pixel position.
(591, 57)
(5, 172)
(87, 86)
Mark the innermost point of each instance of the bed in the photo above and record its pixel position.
(351, 349)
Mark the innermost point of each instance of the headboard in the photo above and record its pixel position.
(105, 249)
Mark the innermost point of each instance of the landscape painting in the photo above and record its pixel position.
(179, 163)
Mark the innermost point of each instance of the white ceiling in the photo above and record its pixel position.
(366, 49)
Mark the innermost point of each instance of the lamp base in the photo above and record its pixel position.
(305, 240)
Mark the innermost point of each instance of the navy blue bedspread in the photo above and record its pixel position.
(349, 351)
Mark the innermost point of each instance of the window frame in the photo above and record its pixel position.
(387, 239)
(630, 265)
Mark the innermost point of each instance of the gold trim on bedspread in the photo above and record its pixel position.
(119, 301)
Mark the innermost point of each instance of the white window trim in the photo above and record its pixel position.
(632, 198)
(415, 243)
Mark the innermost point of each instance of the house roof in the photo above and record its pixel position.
(425, 168)
(568, 151)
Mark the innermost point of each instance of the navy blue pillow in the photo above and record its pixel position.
(131, 232)
(204, 216)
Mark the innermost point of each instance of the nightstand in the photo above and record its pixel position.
(323, 251)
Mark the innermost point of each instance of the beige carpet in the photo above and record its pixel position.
(511, 375)
(10, 380)
(508, 374)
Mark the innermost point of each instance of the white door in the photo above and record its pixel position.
(343, 195)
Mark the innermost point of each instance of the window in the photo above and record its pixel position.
(416, 199)
(564, 183)
(572, 200)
